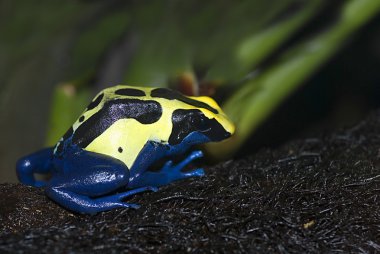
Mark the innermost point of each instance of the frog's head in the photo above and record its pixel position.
(195, 120)
(193, 126)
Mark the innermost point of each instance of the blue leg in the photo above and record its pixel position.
(85, 180)
(84, 204)
(168, 173)
(39, 162)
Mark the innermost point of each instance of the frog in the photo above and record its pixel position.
(108, 153)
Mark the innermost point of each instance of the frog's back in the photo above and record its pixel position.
(113, 123)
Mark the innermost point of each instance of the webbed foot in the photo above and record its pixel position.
(174, 172)
(168, 173)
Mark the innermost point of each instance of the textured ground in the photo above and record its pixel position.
(315, 195)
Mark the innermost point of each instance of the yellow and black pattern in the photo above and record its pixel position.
(122, 119)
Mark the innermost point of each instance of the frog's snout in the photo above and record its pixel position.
(227, 135)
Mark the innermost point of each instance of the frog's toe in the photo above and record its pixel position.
(168, 166)
(197, 172)
(171, 169)
(128, 205)
(121, 196)
(196, 155)
(152, 188)
(193, 156)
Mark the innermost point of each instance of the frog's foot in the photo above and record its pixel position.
(38, 162)
(168, 173)
(84, 204)
(174, 172)
(168, 167)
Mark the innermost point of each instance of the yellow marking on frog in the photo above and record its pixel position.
(131, 136)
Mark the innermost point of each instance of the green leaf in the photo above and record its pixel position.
(257, 98)
(67, 104)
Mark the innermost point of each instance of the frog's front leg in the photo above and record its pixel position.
(38, 162)
(168, 173)
(85, 180)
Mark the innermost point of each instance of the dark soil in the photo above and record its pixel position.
(315, 195)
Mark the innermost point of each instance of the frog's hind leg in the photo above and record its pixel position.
(38, 162)
(84, 204)
(86, 179)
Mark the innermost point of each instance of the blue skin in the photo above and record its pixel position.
(80, 180)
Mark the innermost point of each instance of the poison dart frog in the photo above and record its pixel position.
(106, 154)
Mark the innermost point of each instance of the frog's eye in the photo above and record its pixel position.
(200, 123)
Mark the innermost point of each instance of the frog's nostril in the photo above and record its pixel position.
(227, 135)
